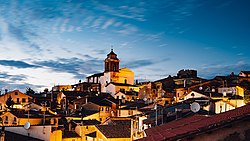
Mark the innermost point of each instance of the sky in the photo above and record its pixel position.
(55, 42)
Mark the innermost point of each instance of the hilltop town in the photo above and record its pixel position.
(112, 106)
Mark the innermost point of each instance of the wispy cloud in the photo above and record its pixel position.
(210, 71)
(144, 62)
(17, 64)
(78, 67)
(129, 11)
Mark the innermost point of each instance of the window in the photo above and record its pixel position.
(101, 109)
(130, 112)
(107, 108)
(16, 93)
(6, 120)
(23, 100)
(17, 100)
(87, 127)
(1, 107)
(14, 120)
(100, 119)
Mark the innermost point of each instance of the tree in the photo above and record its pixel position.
(29, 91)
(9, 102)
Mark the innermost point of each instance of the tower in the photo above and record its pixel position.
(111, 62)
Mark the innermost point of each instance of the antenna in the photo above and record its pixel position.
(26, 125)
(195, 107)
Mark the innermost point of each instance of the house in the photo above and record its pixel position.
(59, 88)
(147, 91)
(113, 88)
(33, 133)
(193, 95)
(20, 117)
(115, 129)
(87, 87)
(244, 74)
(85, 127)
(18, 98)
(65, 99)
(105, 107)
(228, 125)
(127, 95)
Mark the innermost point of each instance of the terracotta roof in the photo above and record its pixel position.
(194, 124)
(116, 129)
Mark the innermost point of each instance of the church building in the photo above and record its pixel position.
(113, 74)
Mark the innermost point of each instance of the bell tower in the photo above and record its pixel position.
(111, 63)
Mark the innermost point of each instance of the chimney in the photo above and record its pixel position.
(86, 100)
(178, 113)
(6, 91)
(70, 126)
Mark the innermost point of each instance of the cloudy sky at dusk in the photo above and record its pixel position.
(50, 42)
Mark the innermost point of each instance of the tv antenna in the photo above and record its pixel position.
(195, 107)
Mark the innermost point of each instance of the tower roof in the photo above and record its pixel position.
(112, 55)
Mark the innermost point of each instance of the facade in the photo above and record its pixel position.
(112, 73)
(113, 88)
(244, 74)
(20, 117)
(127, 95)
(19, 99)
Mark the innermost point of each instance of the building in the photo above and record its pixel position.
(112, 74)
(230, 125)
(244, 74)
(115, 129)
(114, 88)
(16, 98)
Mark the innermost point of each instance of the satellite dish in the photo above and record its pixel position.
(195, 107)
(26, 125)
(200, 88)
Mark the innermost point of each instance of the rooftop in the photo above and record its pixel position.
(116, 129)
(121, 84)
(195, 124)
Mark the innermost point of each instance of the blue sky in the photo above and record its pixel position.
(49, 42)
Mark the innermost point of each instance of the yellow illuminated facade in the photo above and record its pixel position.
(20, 99)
